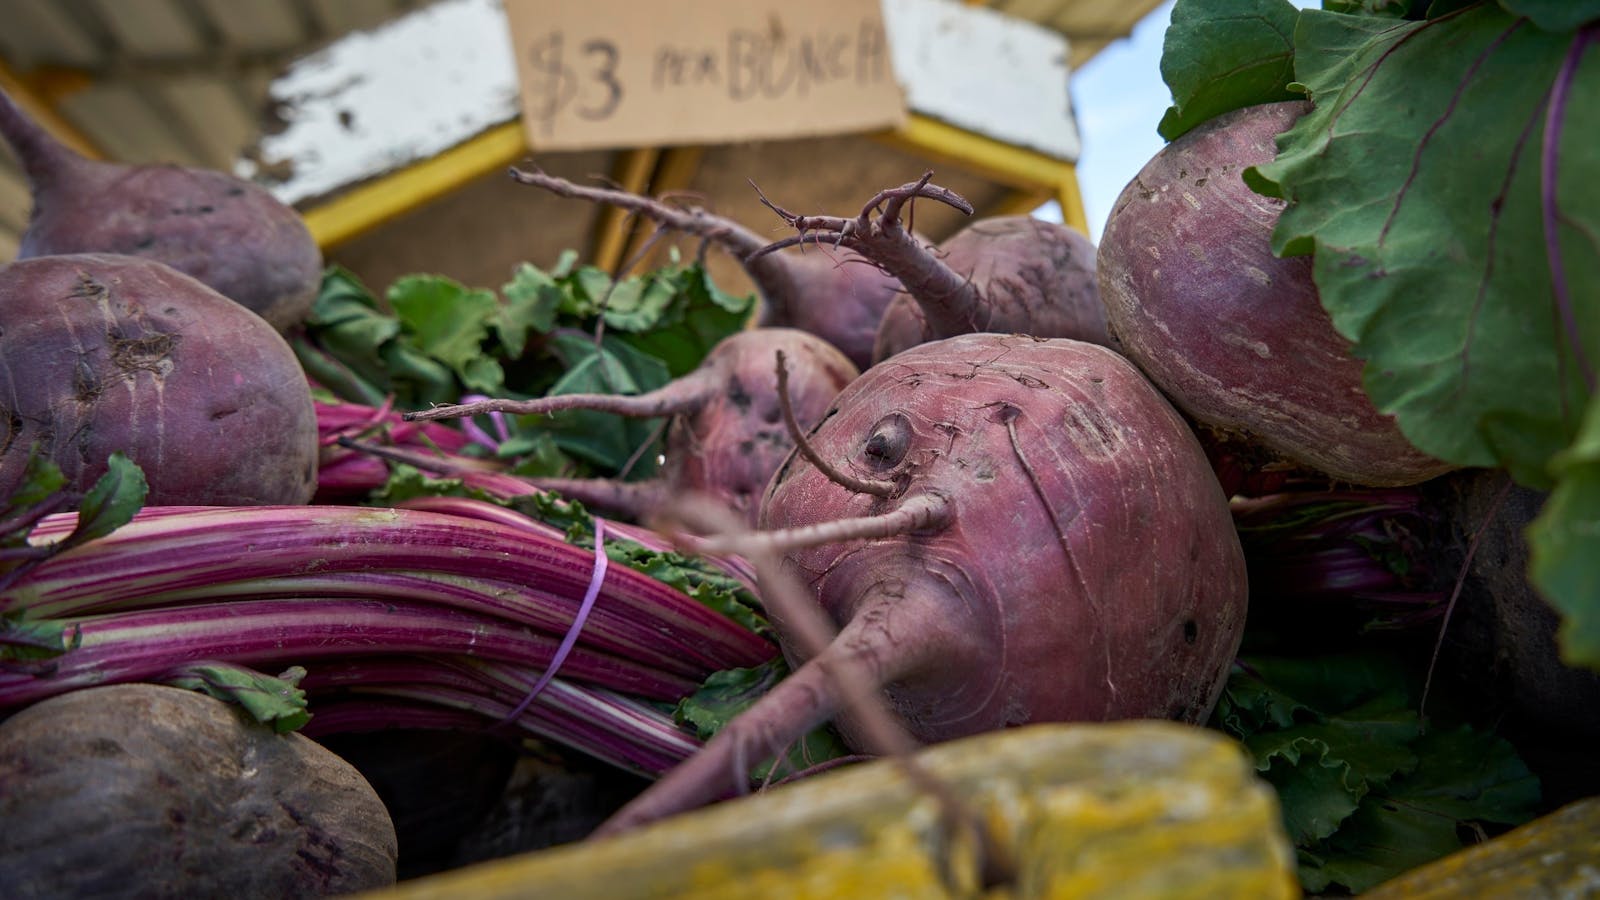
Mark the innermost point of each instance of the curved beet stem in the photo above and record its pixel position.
(951, 304)
(844, 672)
(924, 512)
(843, 479)
(678, 396)
(692, 220)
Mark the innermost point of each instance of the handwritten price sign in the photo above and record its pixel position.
(625, 73)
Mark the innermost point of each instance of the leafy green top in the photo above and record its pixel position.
(1447, 184)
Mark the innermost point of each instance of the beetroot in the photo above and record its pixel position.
(1043, 541)
(105, 353)
(728, 436)
(834, 294)
(1234, 335)
(1034, 277)
(1004, 274)
(229, 233)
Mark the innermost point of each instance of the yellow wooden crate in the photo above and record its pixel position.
(1134, 809)
(1555, 856)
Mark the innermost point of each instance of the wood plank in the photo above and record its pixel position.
(339, 16)
(150, 28)
(15, 200)
(213, 116)
(118, 118)
(38, 31)
(259, 25)
(8, 245)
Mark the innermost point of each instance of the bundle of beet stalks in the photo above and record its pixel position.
(463, 613)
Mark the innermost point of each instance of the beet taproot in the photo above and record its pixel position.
(101, 353)
(229, 233)
(1235, 336)
(727, 436)
(834, 294)
(1044, 540)
(1006, 274)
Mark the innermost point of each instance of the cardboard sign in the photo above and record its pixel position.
(633, 73)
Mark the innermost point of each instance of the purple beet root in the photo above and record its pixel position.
(228, 233)
(1234, 335)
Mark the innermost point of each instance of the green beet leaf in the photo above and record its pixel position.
(449, 323)
(1222, 55)
(1556, 15)
(111, 501)
(276, 701)
(1417, 180)
(1365, 791)
(726, 694)
(1464, 779)
(1564, 543)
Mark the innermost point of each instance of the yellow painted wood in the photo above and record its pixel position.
(1019, 203)
(45, 113)
(1070, 195)
(1555, 856)
(367, 206)
(1129, 809)
(675, 171)
(1007, 164)
(632, 173)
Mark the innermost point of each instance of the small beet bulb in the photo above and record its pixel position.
(1005, 530)
(727, 436)
(230, 234)
(1006, 274)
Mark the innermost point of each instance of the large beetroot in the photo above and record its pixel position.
(1235, 336)
(1034, 535)
(229, 233)
(727, 436)
(109, 353)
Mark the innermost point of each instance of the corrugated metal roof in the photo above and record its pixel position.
(185, 80)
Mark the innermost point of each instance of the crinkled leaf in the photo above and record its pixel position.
(1432, 258)
(701, 580)
(1564, 543)
(1222, 55)
(532, 302)
(23, 639)
(1323, 769)
(276, 701)
(1463, 777)
(687, 330)
(1338, 737)
(726, 694)
(603, 440)
(347, 323)
(1556, 15)
(450, 323)
(111, 502)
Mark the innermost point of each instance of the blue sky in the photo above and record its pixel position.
(1118, 97)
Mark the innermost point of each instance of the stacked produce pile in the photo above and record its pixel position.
(1335, 347)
